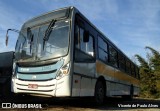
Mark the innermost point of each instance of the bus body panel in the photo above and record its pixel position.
(83, 79)
(63, 88)
(47, 88)
(44, 78)
(56, 87)
(117, 82)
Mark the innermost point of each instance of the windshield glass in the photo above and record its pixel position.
(55, 46)
(57, 43)
(25, 48)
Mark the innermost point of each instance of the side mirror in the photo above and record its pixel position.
(7, 37)
(7, 40)
(86, 36)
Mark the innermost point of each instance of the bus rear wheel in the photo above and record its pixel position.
(99, 93)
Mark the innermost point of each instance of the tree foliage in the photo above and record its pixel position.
(150, 73)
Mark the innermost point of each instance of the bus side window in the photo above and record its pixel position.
(121, 61)
(102, 50)
(128, 67)
(86, 47)
(76, 38)
(112, 56)
(83, 50)
(90, 46)
(137, 73)
(133, 70)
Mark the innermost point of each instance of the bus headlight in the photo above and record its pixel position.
(63, 71)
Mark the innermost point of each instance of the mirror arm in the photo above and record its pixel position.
(7, 37)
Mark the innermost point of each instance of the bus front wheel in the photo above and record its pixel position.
(99, 93)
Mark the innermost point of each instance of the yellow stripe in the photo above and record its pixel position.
(104, 69)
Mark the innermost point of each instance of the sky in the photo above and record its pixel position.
(130, 24)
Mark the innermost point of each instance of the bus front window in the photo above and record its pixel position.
(25, 47)
(57, 43)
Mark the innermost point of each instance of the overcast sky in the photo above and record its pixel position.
(130, 24)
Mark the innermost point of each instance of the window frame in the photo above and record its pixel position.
(79, 48)
(128, 68)
(100, 48)
(115, 57)
(122, 61)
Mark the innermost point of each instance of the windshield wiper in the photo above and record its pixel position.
(48, 32)
(30, 35)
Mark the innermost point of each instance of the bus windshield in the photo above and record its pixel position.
(33, 47)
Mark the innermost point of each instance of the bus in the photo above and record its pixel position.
(62, 54)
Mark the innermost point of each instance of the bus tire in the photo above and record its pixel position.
(99, 93)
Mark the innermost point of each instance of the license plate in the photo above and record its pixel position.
(33, 86)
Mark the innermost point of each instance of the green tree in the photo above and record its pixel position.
(150, 73)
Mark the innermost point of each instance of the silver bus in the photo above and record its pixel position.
(62, 54)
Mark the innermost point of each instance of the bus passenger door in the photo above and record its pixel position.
(84, 63)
